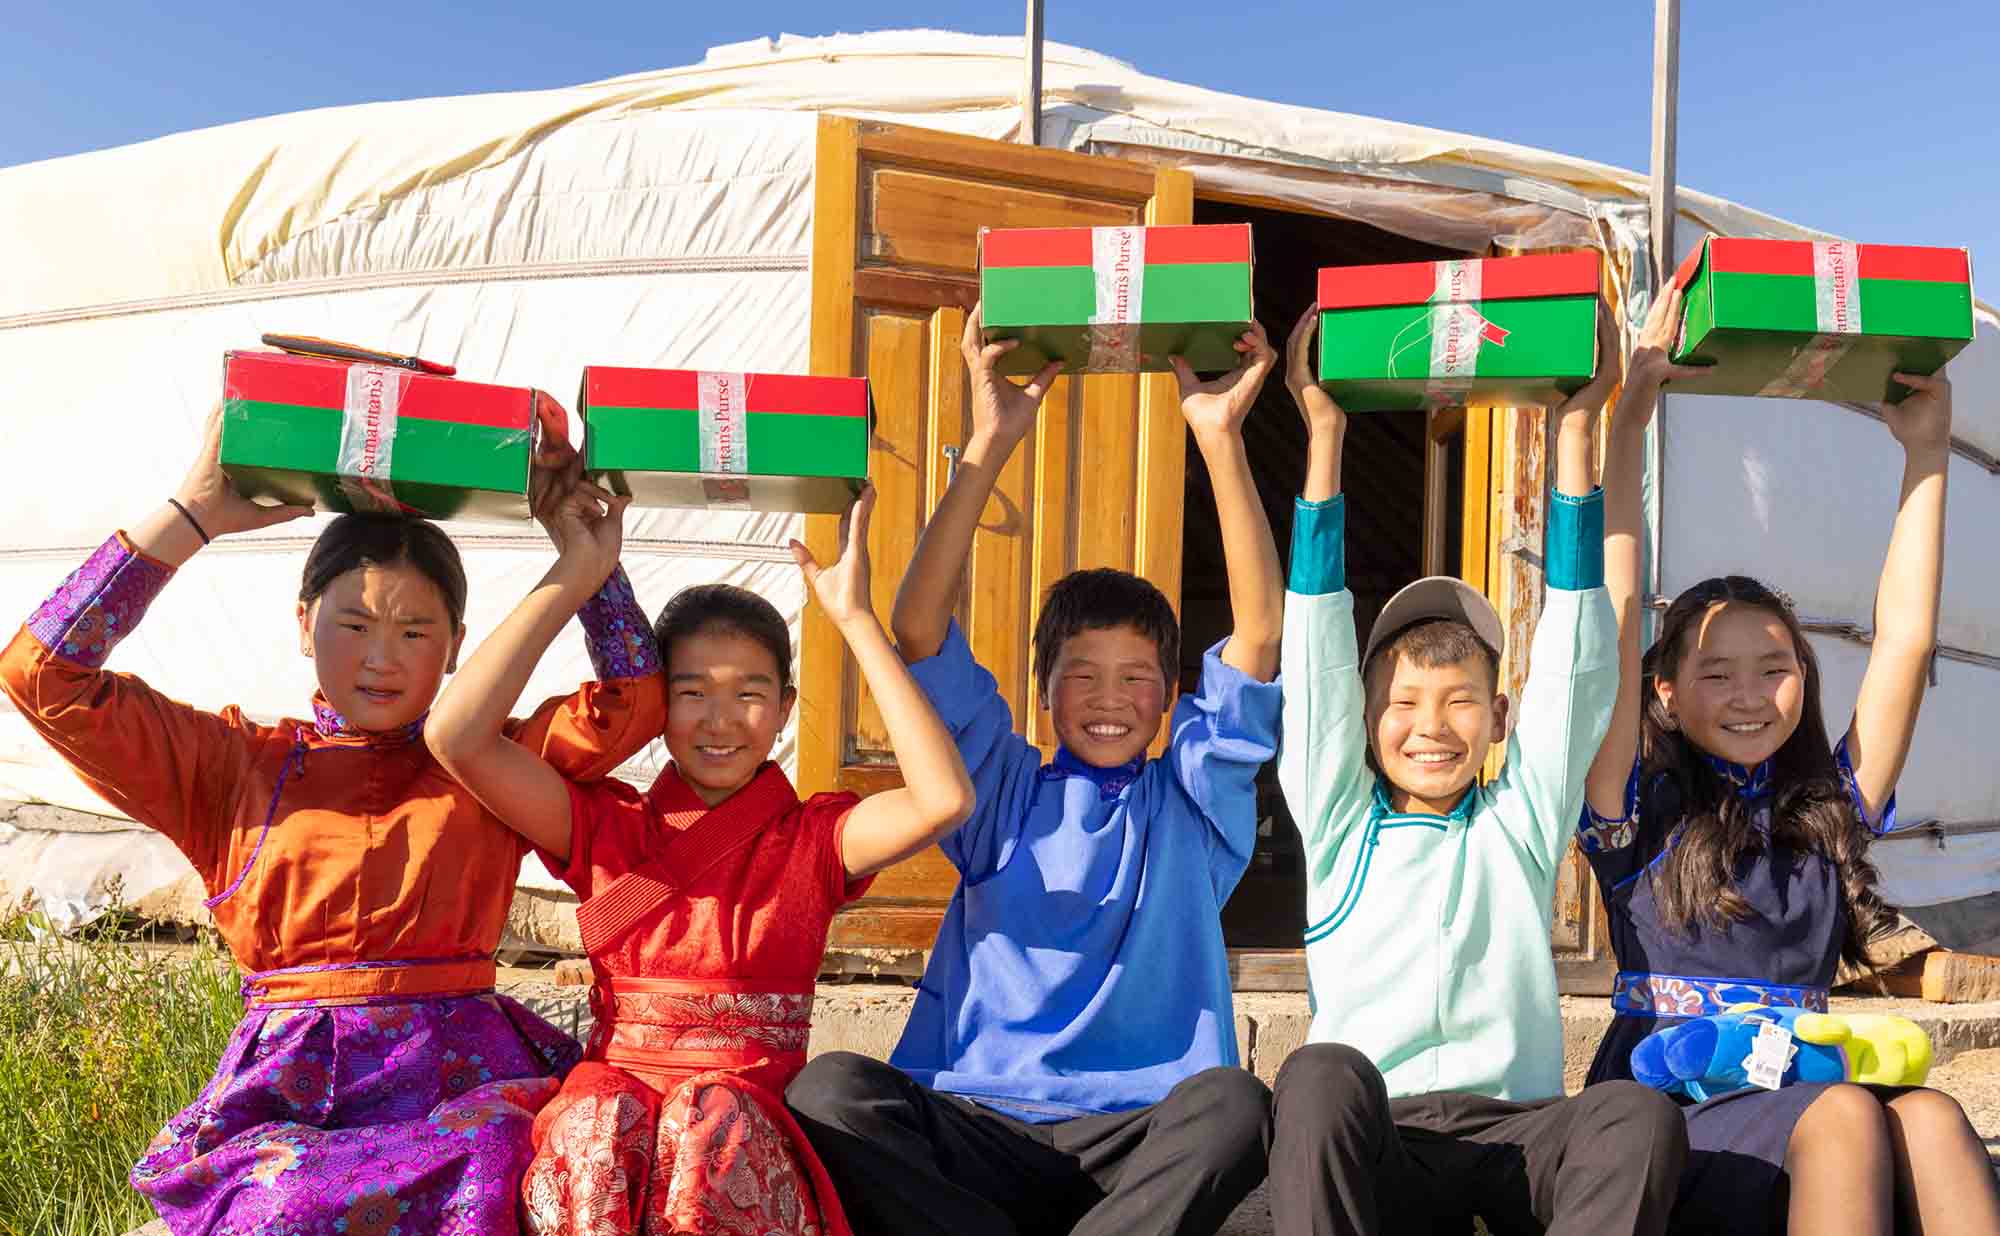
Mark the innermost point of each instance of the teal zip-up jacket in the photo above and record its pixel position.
(1427, 938)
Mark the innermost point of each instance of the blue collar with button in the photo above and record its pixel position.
(1110, 782)
(1749, 783)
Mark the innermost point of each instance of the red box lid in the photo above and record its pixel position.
(1747, 256)
(608, 386)
(1575, 273)
(307, 381)
(1166, 245)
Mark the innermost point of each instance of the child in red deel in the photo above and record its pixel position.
(705, 900)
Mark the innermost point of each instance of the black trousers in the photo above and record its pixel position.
(910, 1160)
(1346, 1161)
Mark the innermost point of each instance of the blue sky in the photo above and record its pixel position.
(1856, 116)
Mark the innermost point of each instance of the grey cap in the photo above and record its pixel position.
(1438, 596)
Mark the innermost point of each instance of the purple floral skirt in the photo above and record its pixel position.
(365, 1120)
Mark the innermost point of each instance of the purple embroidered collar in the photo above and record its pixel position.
(1111, 782)
(331, 724)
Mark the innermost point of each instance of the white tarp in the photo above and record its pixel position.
(714, 212)
(665, 218)
(222, 202)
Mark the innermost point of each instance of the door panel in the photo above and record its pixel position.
(1099, 483)
(1508, 471)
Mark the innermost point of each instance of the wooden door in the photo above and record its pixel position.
(1508, 455)
(896, 219)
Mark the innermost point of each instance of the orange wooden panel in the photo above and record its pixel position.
(927, 877)
(822, 655)
(897, 213)
(898, 355)
(1089, 176)
(922, 219)
(950, 422)
(1107, 451)
(888, 927)
(1054, 547)
(998, 596)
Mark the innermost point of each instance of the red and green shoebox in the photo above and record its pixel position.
(1116, 299)
(1517, 330)
(712, 439)
(1826, 320)
(359, 437)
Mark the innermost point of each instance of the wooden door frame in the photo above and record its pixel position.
(844, 144)
(839, 280)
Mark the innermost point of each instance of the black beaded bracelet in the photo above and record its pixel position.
(192, 521)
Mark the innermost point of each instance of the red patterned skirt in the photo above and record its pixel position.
(676, 1124)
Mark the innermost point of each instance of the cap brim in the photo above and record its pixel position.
(1438, 596)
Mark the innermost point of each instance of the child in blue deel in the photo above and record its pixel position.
(1431, 1086)
(1070, 1064)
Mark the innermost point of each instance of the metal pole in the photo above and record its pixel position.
(1666, 109)
(1666, 124)
(1031, 86)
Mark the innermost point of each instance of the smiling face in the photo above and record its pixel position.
(1739, 691)
(726, 705)
(1106, 694)
(1431, 726)
(382, 640)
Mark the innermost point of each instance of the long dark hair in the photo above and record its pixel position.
(1810, 810)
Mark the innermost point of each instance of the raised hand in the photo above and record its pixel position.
(1220, 404)
(586, 523)
(1591, 398)
(999, 407)
(1923, 420)
(1652, 365)
(1321, 413)
(842, 585)
(214, 503)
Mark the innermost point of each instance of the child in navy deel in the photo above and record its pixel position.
(1070, 1064)
(1731, 839)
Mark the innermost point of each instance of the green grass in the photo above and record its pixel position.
(101, 1040)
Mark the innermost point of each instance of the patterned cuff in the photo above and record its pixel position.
(1598, 835)
(99, 604)
(1319, 546)
(1885, 825)
(1575, 542)
(616, 632)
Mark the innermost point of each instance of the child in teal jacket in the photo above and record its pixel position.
(1435, 1052)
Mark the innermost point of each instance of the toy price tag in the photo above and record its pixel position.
(1770, 1055)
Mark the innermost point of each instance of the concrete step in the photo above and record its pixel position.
(868, 1018)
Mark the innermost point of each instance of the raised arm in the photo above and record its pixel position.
(1326, 422)
(467, 726)
(1323, 748)
(1576, 417)
(1573, 673)
(1215, 411)
(936, 794)
(1906, 601)
(1624, 540)
(166, 764)
(1002, 414)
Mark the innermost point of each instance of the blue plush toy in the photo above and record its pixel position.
(1707, 1056)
